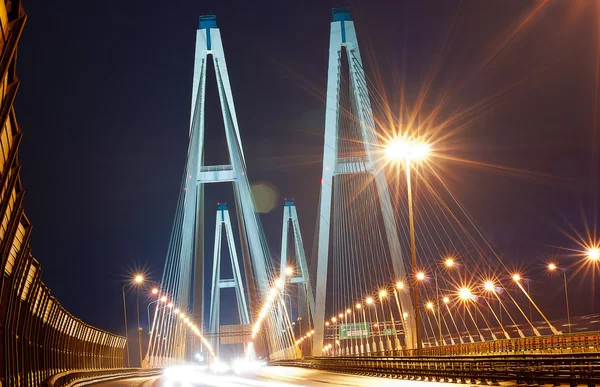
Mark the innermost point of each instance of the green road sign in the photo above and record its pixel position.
(388, 332)
(355, 331)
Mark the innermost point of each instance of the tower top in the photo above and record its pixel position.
(208, 21)
(341, 14)
(221, 206)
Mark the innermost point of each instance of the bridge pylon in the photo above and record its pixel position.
(343, 42)
(254, 248)
(184, 272)
(300, 274)
(223, 222)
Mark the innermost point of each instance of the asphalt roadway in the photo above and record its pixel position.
(263, 377)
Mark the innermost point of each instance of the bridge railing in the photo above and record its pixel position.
(565, 343)
(555, 369)
(38, 337)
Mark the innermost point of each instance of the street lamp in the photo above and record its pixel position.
(552, 267)
(517, 279)
(137, 280)
(289, 271)
(410, 151)
(593, 254)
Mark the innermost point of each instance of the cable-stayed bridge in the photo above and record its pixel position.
(398, 268)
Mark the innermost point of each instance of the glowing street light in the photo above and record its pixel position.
(552, 267)
(289, 271)
(449, 262)
(420, 276)
(517, 279)
(593, 254)
(163, 299)
(399, 285)
(137, 280)
(489, 286)
(464, 294)
(358, 306)
(382, 294)
(403, 150)
(155, 291)
(446, 300)
(369, 300)
(333, 320)
(429, 305)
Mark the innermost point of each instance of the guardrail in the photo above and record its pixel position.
(524, 369)
(73, 378)
(565, 343)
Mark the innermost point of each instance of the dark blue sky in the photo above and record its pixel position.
(105, 97)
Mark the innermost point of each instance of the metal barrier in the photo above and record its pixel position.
(38, 337)
(565, 343)
(71, 378)
(524, 369)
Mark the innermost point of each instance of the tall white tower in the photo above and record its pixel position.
(343, 37)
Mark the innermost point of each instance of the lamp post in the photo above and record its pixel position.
(517, 278)
(138, 279)
(408, 151)
(448, 263)
(552, 267)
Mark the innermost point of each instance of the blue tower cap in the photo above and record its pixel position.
(208, 21)
(221, 206)
(341, 14)
(288, 203)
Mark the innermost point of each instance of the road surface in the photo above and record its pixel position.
(264, 377)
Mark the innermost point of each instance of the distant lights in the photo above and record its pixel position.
(516, 277)
(420, 276)
(446, 300)
(155, 291)
(399, 285)
(163, 299)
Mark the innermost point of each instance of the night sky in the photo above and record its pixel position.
(104, 105)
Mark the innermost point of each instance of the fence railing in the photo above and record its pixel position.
(564, 343)
(524, 369)
(38, 337)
